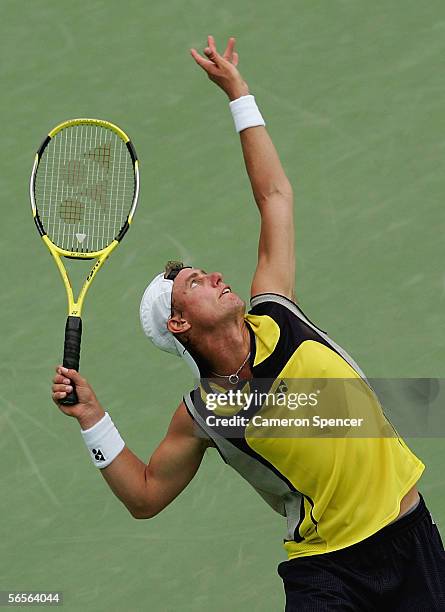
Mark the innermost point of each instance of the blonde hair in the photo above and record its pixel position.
(172, 268)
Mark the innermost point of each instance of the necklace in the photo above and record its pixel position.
(233, 378)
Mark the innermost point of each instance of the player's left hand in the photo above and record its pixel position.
(222, 69)
(88, 410)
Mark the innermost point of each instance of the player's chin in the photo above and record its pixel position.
(241, 303)
(234, 302)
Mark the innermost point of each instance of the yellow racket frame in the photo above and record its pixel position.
(75, 306)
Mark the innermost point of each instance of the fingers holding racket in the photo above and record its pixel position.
(65, 381)
(62, 386)
(88, 410)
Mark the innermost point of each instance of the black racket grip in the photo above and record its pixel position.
(71, 353)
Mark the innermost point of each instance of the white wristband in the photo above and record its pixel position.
(103, 441)
(245, 113)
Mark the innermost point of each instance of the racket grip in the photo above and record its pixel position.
(71, 353)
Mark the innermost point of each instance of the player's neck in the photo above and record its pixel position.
(226, 350)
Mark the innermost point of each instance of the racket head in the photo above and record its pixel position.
(84, 186)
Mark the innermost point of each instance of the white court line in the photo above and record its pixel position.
(35, 422)
(185, 255)
(35, 468)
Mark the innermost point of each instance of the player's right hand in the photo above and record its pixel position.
(87, 411)
(222, 69)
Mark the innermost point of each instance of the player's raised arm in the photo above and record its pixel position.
(144, 489)
(275, 272)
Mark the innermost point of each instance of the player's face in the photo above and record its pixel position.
(205, 300)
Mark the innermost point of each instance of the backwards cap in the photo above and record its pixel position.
(154, 312)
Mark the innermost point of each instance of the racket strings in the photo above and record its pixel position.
(84, 187)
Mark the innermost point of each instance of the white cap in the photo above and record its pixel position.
(154, 312)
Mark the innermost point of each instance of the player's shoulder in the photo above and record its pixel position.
(280, 308)
(274, 305)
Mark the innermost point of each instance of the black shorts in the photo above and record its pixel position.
(401, 568)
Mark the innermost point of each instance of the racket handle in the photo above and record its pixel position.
(71, 353)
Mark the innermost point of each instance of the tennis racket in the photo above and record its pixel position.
(84, 190)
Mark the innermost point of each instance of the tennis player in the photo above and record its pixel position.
(359, 536)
